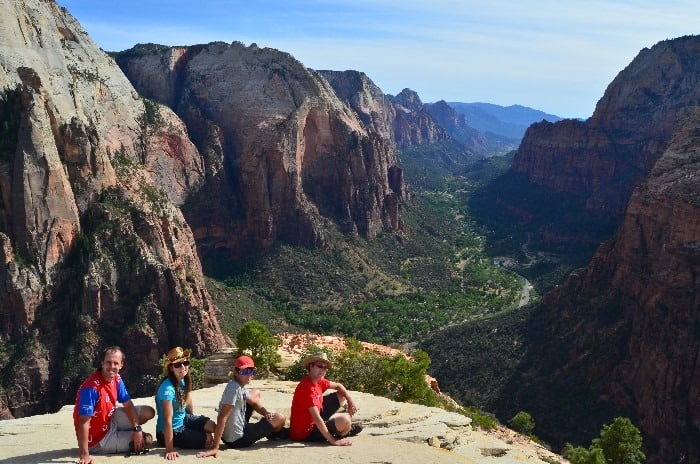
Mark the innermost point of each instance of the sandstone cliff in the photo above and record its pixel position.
(626, 327)
(93, 250)
(286, 159)
(597, 163)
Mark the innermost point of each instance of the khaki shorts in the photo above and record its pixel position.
(120, 432)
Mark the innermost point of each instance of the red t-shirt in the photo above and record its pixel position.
(305, 396)
(98, 399)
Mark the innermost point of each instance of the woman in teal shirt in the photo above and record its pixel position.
(177, 425)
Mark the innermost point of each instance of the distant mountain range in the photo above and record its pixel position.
(507, 121)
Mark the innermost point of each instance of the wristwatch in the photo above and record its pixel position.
(137, 428)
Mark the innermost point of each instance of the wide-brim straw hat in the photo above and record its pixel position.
(320, 356)
(176, 354)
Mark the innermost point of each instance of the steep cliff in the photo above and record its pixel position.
(285, 157)
(597, 163)
(626, 327)
(92, 249)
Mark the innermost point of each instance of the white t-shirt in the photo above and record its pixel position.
(234, 394)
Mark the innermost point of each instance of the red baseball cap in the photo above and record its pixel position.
(244, 361)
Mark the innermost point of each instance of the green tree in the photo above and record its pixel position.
(256, 338)
(618, 443)
(581, 455)
(621, 442)
(522, 422)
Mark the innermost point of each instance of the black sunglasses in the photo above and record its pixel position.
(248, 371)
(178, 365)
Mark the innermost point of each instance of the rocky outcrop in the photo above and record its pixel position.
(626, 326)
(414, 125)
(93, 250)
(369, 102)
(285, 157)
(597, 163)
(393, 432)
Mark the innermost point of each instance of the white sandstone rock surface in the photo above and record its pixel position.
(393, 433)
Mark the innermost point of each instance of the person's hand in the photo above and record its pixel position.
(137, 438)
(171, 455)
(341, 442)
(352, 408)
(212, 452)
(86, 460)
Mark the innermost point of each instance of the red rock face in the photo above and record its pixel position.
(92, 249)
(284, 154)
(629, 322)
(602, 159)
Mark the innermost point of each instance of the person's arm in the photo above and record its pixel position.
(167, 408)
(83, 434)
(136, 437)
(254, 402)
(344, 393)
(224, 411)
(321, 426)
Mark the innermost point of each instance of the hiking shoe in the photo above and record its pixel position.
(354, 430)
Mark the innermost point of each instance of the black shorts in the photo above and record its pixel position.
(331, 404)
(191, 436)
(252, 433)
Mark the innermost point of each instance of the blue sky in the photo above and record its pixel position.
(557, 56)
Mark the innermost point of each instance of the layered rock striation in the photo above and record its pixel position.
(626, 327)
(285, 158)
(93, 249)
(598, 162)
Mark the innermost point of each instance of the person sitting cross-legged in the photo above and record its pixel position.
(235, 409)
(100, 426)
(314, 415)
(177, 425)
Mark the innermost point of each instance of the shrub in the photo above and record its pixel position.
(619, 443)
(394, 377)
(581, 455)
(256, 338)
(523, 423)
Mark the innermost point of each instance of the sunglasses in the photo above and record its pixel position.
(248, 371)
(178, 365)
(321, 366)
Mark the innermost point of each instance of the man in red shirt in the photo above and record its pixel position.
(102, 427)
(312, 410)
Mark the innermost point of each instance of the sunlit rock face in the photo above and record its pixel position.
(93, 250)
(285, 158)
(625, 329)
(598, 162)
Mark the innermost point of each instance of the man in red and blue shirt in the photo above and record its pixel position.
(100, 426)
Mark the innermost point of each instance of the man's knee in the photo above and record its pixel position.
(146, 413)
(277, 420)
(343, 422)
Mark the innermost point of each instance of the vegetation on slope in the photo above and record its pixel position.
(397, 288)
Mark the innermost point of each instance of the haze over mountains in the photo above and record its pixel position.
(119, 177)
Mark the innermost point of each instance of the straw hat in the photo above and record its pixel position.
(176, 354)
(320, 356)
